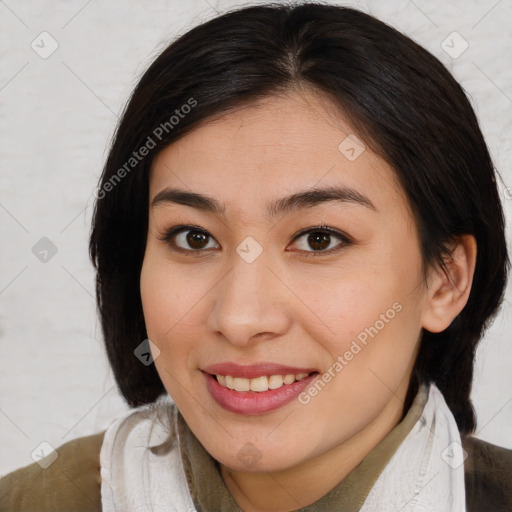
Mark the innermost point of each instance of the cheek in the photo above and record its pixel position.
(169, 297)
(156, 299)
(164, 304)
(373, 322)
(356, 297)
(173, 304)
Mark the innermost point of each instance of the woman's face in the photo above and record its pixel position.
(256, 291)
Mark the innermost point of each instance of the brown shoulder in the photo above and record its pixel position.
(71, 482)
(488, 476)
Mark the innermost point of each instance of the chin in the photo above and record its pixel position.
(252, 461)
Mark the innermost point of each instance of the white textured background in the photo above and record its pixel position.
(57, 116)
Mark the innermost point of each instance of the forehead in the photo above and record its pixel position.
(273, 148)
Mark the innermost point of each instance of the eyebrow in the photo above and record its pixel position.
(277, 208)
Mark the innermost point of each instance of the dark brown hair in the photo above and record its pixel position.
(400, 99)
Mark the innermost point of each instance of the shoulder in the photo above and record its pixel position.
(71, 482)
(488, 476)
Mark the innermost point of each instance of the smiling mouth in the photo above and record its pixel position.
(259, 384)
(256, 388)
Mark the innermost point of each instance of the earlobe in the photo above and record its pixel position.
(449, 287)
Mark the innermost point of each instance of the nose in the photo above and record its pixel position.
(251, 303)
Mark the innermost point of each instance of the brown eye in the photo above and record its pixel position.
(320, 240)
(188, 238)
(196, 239)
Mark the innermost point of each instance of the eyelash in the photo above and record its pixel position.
(345, 240)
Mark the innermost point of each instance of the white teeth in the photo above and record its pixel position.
(230, 382)
(275, 381)
(258, 384)
(288, 379)
(242, 384)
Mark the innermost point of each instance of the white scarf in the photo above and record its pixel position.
(426, 473)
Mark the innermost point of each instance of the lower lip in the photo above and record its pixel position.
(252, 402)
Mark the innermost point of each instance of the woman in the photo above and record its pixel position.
(298, 238)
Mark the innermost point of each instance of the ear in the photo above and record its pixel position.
(448, 288)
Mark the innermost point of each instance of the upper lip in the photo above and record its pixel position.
(251, 371)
